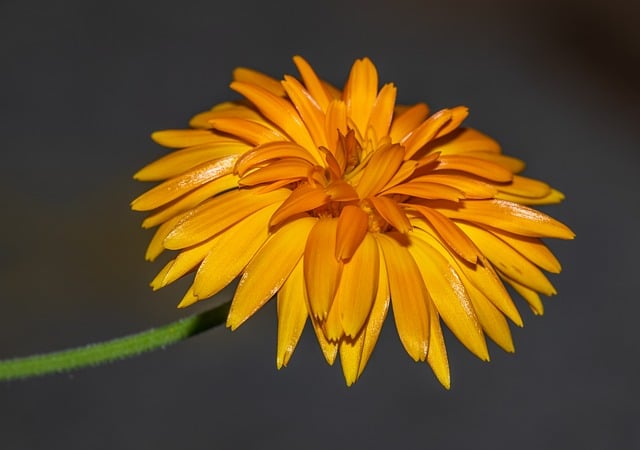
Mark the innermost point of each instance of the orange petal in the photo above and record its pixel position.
(329, 348)
(382, 110)
(476, 166)
(553, 196)
(425, 132)
(432, 191)
(464, 140)
(245, 75)
(353, 224)
(292, 315)
(220, 212)
(335, 125)
(407, 121)
(408, 295)
(472, 188)
(491, 319)
(321, 268)
(183, 184)
(268, 270)
(458, 114)
(526, 187)
(437, 354)
(271, 151)
(184, 138)
(358, 287)
(391, 212)
(224, 110)
(360, 92)
(383, 164)
(304, 198)
(514, 165)
(310, 112)
(531, 296)
(313, 84)
(255, 133)
(284, 169)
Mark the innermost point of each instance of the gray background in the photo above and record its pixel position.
(82, 84)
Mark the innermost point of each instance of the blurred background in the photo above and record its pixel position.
(84, 83)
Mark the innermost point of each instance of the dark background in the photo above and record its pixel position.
(82, 84)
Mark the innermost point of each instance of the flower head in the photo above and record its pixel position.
(342, 203)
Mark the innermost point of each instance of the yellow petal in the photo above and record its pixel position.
(353, 224)
(271, 151)
(531, 296)
(407, 121)
(391, 212)
(332, 325)
(514, 165)
(491, 319)
(304, 198)
(156, 283)
(425, 132)
(335, 125)
(421, 189)
(321, 267)
(310, 112)
(408, 295)
(531, 248)
(313, 84)
(183, 184)
(255, 133)
(510, 217)
(381, 167)
(191, 200)
(185, 262)
(553, 196)
(358, 287)
(245, 75)
(224, 110)
(464, 140)
(156, 246)
(526, 187)
(437, 354)
(476, 166)
(450, 297)
(284, 169)
(220, 212)
(458, 114)
(360, 92)
(329, 348)
(184, 138)
(376, 317)
(179, 161)
(292, 315)
(508, 260)
(471, 187)
(268, 270)
(231, 251)
(382, 111)
(350, 357)
(277, 110)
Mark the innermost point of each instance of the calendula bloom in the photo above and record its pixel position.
(342, 203)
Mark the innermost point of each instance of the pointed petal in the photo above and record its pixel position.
(458, 114)
(271, 151)
(350, 357)
(514, 165)
(292, 315)
(313, 84)
(156, 246)
(475, 166)
(437, 354)
(382, 166)
(253, 132)
(391, 212)
(360, 92)
(531, 248)
(184, 138)
(231, 251)
(464, 140)
(552, 197)
(382, 111)
(407, 121)
(329, 348)
(358, 287)
(220, 212)
(268, 270)
(425, 190)
(225, 110)
(472, 188)
(184, 263)
(408, 296)
(183, 184)
(321, 268)
(526, 187)
(353, 224)
(531, 296)
(425, 132)
(335, 125)
(250, 76)
(491, 319)
(448, 294)
(310, 112)
(284, 169)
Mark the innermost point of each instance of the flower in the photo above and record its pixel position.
(342, 203)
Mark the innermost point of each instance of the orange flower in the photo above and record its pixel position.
(341, 203)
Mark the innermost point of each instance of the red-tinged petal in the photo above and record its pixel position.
(464, 140)
(431, 191)
(437, 353)
(376, 317)
(448, 294)
(476, 166)
(185, 138)
(217, 214)
(425, 132)
(391, 212)
(178, 162)
(382, 111)
(408, 121)
(304, 198)
(271, 151)
(277, 110)
(382, 166)
(458, 114)
(481, 275)
(450, 233)
(350, 357)
(253, 132)
(313, 84)
(284, 169)
(156, 246)
(292, 315)
(183, 184)
(310, 112)
(191, 200)
(266, 82)
(230, 252)
(531, 248)
(531, 296)
(358, 287)
(353, 224)
(510, 217)
(472, 188)
(321, 268)
(507, 260)
(409, 297)
(360, 92)
(268, 270)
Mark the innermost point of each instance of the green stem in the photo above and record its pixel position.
(95, 354)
